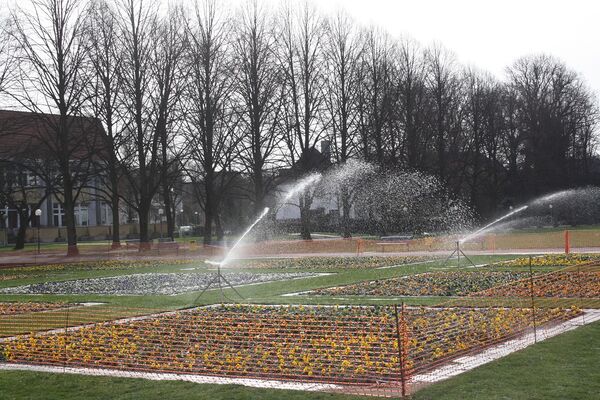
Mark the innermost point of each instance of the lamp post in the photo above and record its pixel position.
(550, 206)
(38, 214)
(181, 217)
(160, 214)
(197, 218)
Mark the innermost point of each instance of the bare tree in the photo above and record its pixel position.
(258, 87)
(551, 100)
(443, 88)
(412, 102)
(210, 114)
(138, 22)
(53, 69)
(377, 100)
(169, 72)
(6, 54)
(342, 60)
(301, 54)
(478, 87)
(22, 190)
(106, 61)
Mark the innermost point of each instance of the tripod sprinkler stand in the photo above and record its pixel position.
(217, 279)
(458, 251)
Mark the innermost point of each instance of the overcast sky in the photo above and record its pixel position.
(483, 33)
(492, 34)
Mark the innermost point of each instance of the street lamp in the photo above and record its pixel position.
(197, 218)
(550, 206)
(160, 214)
(38, 214)
(181, 217)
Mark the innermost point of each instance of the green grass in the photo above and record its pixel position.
(18, 385)
(563, 367)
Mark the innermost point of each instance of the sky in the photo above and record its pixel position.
(489, 35)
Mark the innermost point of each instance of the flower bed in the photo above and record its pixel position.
(552, 260)
(327, 263)
(351, 345)
(560, 284)
(456, 283)
(94, 265)
(147, 284)
(23, 308)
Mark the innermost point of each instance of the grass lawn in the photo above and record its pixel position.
(564, 367)
(32, 385)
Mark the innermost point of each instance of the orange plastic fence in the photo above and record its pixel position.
(385, 351)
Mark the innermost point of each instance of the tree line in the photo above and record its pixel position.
(206, 93)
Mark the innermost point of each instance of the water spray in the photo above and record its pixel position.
(219, 276)
(485, 228)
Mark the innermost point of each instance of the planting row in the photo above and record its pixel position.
(147, 284)
(552, 260)
(328, 344)
(327, 263)
(455, 283)
(11, 308)
(92, 266)
(560, 284)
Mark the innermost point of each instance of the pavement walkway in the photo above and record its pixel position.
(8, 259)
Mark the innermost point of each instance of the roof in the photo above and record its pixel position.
(29, 134)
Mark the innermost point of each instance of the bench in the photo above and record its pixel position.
(132, 243)
(167, 244)
(396, 240)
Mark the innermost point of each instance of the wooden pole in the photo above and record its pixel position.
(532, 301)
(400, 337)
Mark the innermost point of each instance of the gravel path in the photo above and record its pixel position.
(148, 284)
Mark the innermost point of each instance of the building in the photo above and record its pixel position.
(29, 177)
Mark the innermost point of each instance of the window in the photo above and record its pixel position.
(81, 215)
(105, 214)
(58, 214)
(27, 179)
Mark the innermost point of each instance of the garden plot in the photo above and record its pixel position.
(455, 283)
(332, 263)
(333, 345)
(573, 282)
(12, 308)
(149, 284)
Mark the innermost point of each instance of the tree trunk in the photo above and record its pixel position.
(209, 207)
(259, 200)
(143, 212)
(219, 227)
(168, 211)
(116, 234)
(346, 229)
(305, 228)
(21, 233)
(20, 243)
(69, 204)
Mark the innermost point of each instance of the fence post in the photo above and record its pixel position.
(401, 337)
(567, 242)
(581, 302)
(532, 301)
(66, 337)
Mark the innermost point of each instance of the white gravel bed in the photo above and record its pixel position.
(149, 284)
